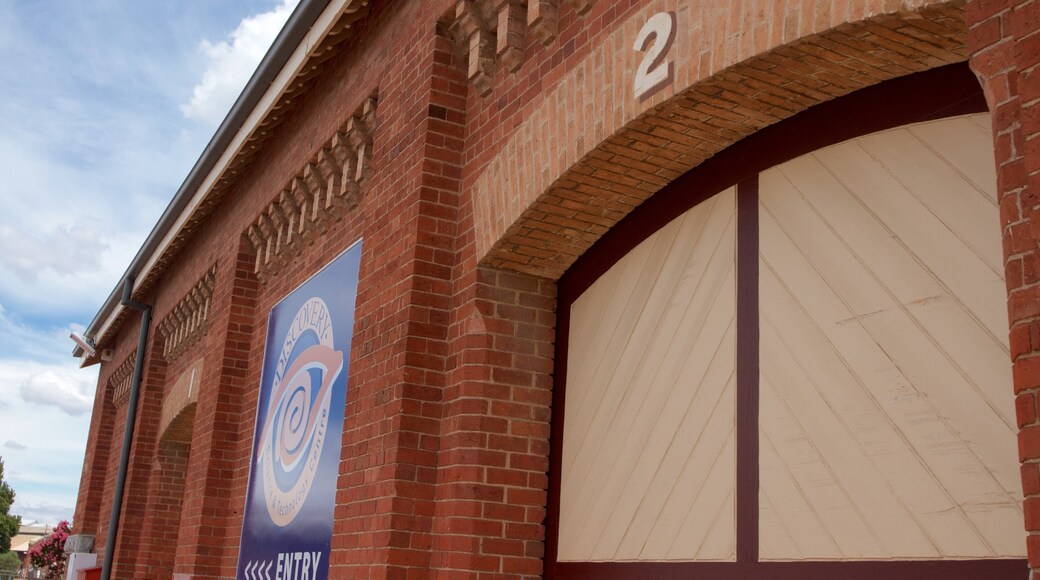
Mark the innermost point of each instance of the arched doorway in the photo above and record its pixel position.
(789, 363)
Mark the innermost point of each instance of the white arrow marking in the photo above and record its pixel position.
(267, 571)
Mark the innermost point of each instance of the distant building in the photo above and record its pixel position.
(27, 534)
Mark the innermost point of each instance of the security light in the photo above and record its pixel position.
(85, 344)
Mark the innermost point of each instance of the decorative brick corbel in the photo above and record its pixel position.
(120, 380)
(281, 230)
(324, 190)
(325, 178)
(191, 307)
(270, 234)
(187, 320)
(349, 193)
(581, 6)
(304, 190)
(286, 202)
(359, 131)
(542, 16)
(497, 29)
(253, 235)
(511, 33)
(256, 238)
(179, 321)
(476, 23)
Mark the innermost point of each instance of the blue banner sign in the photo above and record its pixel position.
(287, 526)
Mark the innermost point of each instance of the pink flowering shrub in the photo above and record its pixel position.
(48, 553)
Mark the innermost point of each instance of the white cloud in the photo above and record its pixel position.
(45, 511)
(231, 63)
(46, 476)
(65, 391)
(12, 444)
(65, 250)
(70, 223)
(19, 341)
(24, 420)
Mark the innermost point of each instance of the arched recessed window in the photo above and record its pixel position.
(793, 361)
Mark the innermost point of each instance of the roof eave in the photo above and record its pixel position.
(289, 42)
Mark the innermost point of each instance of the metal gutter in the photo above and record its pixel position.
(285, 45)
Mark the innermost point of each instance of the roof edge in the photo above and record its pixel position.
(285, 44)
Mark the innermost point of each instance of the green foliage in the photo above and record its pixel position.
(9, 562)
(8, 524)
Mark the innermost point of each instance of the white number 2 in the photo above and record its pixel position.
(654, 73)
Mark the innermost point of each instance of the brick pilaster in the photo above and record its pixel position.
(389, 471)
(87, 519)
(1004, 42)
(495, 436)
(160, 530)
(209, 522)
(142, 453)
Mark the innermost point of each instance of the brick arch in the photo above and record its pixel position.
(169, 473)
(590, 152)
(179, 429)
(178, 412)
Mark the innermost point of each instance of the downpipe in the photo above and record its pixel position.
(131, 418)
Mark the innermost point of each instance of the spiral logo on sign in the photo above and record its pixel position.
(298, 411)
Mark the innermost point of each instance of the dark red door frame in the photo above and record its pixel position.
(935, 94)
(747, 370)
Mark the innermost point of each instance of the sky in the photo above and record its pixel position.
(105, 105)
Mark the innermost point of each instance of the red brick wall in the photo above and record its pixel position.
(495, 434)
(93, 478)
(389, 468)
(161, 530)
(445, 449)
(208, 511)
(1004, 40)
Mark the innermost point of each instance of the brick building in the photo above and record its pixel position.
(647, 288)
